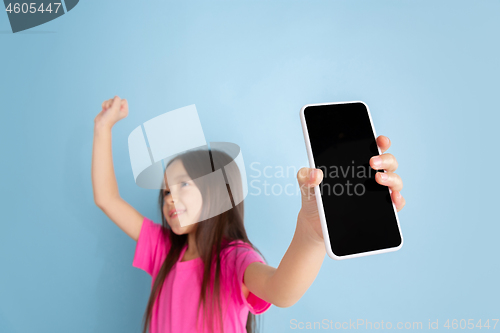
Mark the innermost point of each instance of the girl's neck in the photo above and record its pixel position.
(191, 251)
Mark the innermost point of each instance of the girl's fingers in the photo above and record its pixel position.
(123, 109)
(389, 163)
(116, 104)
(107, 104)
(398, 199)
(119, 105)
(383, 142)
(385, 161)
(390, 179)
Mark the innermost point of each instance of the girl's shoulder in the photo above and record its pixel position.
(235, 248)
(155, 233)
(152, 246)
(154, 227)
(237, 255)
(235, 244)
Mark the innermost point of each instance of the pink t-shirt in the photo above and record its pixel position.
(175, 308)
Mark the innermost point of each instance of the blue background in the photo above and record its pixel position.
(428, 71)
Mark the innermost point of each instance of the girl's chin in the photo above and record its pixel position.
(178, 230)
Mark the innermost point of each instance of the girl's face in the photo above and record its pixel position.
(181, 196)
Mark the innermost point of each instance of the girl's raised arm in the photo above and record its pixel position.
(106, 195)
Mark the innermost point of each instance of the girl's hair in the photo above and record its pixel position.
(212, 234)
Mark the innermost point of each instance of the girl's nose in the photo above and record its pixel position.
(172, 198)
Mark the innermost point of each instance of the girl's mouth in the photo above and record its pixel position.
(177, 213)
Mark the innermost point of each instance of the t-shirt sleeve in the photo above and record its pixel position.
(149, 245)
(244, 257)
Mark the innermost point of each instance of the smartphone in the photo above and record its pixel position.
(357, 214)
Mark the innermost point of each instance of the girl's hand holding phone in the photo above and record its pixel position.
(309, 216)
(113, 110)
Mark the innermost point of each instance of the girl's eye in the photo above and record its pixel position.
(168, 192)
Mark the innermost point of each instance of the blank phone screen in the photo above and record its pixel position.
(359, 213)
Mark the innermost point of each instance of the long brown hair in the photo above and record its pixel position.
(212, 235)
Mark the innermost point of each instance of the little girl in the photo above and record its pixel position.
(206, 274)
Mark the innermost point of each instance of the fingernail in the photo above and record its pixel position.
(312, 176)
(383, 175)
(377, 161)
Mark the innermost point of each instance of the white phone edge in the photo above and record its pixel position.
(319, 201)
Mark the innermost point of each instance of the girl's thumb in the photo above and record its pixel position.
(115, 105)
(308, 178)
(123, 108)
